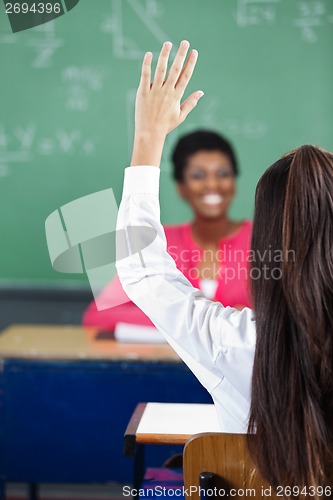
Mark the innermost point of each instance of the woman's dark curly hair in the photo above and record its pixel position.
(200, 140)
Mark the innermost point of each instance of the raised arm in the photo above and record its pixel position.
(200, 331)
(158, 107)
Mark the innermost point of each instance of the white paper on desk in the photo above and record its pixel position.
(178, 418)
(125, 332)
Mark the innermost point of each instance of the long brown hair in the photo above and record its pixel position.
(291, 416)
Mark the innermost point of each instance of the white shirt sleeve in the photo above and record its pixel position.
(202, 332)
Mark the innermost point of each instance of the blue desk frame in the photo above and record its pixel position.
(64, 421)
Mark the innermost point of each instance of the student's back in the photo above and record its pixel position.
(276, 361)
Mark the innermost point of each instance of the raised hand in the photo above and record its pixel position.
(158, 108)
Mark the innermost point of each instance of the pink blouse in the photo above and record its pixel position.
(232, 276)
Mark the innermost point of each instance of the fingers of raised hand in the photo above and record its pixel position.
(146, 72)
(186, 74)
(177, 64)
(162, 65)
(189, 104)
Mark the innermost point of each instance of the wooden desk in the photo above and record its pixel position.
(75, 343)
(165, 423)
(168, 423)
(65, 399)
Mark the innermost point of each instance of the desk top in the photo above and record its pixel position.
(75, 343)
(169, 423)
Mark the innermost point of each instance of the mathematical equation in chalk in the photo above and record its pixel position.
(212, 117)
(146, 13)
(43, 44)
(80, 84)
(256, 12)
(22, 144)
(311, 16)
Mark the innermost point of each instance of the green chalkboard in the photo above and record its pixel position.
(67, 94)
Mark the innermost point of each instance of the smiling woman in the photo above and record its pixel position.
(212, 250)
(205, 170)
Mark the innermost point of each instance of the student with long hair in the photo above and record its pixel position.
(268, 370)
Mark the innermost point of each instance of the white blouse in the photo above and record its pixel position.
(208, 288)
(217, 343)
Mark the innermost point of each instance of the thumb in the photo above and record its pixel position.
(189, 104)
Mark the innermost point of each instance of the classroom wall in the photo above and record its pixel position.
(68, 89)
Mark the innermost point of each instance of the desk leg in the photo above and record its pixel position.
(2, 489)
(139, 466)
(33, 491)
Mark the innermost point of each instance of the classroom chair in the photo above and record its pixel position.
(221, 461)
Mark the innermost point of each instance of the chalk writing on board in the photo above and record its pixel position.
(44, 43)
(155, 8)
(21, 144)
(250, 128)
(146, 15)
(311, 15)
(212, 116)
(12, 155)
(80, 83)
(256, 12)
(42, 40)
